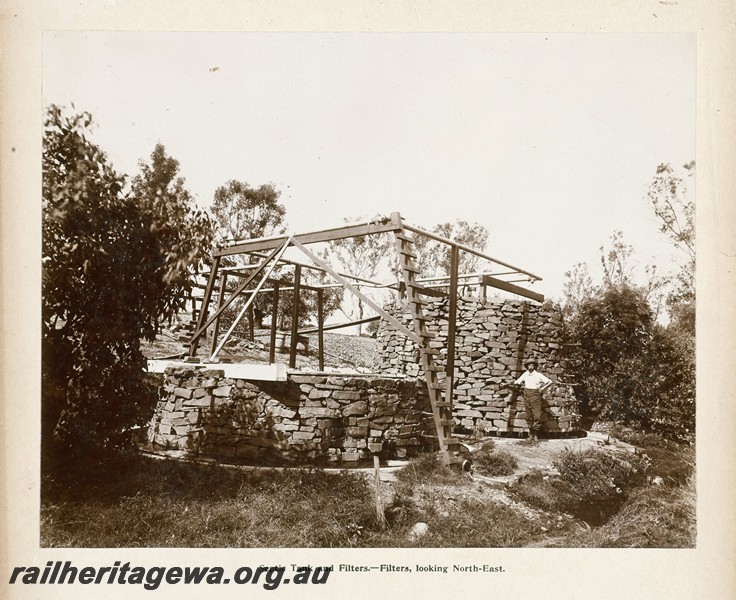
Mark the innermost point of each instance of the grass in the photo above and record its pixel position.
(493, 462)
(135, 501)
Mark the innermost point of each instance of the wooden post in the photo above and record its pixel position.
(220, 300)
(295, 317)
(380, 517)
(321, 331)
(452, 318)
(251, 323)
(274, 322)
(203, 308)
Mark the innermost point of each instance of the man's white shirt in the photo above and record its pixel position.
(533, 380)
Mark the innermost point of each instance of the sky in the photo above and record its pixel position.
(547, 140)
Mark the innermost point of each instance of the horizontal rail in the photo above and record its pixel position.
(341, 325)
(326, 235)
(510, 287)
(468, 249)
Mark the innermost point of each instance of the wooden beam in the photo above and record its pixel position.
(510, 287)
(340, 325)
(203, 307)
(469, 250)
(295, 317)
(395, 322)
(220, 300)
(274, 321)
(320, 330)
(251, 299)
(326, 235)
(202, 328)
(451, 323)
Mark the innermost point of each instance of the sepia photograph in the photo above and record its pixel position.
(368, 290)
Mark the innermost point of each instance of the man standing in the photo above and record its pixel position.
(534, 383)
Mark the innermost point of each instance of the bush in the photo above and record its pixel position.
(493, 462)
(114, 264)
(652, 517)
(628, 368)
(427, 468)
(592, 485)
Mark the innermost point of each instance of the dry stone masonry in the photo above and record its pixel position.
(317, 417)
(493, 338)
(307, 418)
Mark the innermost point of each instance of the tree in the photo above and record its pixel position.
(617, 269)
(435, 257)
(577, 289)
(608, 333)
(360, 256)
(242, 212)
(111, 269)
(630, 369)
(669, 196)
(179, 235)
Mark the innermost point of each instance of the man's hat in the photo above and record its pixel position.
(530, 361)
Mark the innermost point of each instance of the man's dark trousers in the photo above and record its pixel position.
(533, 408)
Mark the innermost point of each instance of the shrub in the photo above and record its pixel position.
(592, 485)
(652, 517)
(427, 468)
(628, 368)
(492, 462)
(114, 264)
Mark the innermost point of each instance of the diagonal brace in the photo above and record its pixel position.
(395, 322)
(237, 292)
(253, 295)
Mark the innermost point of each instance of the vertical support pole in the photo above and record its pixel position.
(380, 516)
(220, 300)
(251, 324)
(274, 322)
(295, 316)
(205, 303)
(320, 330)
(452, 318)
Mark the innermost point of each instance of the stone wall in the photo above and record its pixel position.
(493, 338)
(306, 418)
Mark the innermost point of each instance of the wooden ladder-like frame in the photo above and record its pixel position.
(441, 408)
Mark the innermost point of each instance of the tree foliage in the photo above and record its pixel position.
(114, 265)
(628, 368)
(576, 289)
(435, 257)
(243, 212)
(361, 256)
(670, 198)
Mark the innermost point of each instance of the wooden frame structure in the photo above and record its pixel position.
(265, 254)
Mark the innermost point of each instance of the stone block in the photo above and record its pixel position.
(346, 395)
(218, 373)
(313, 379)
(315, 411)
(357, 432)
